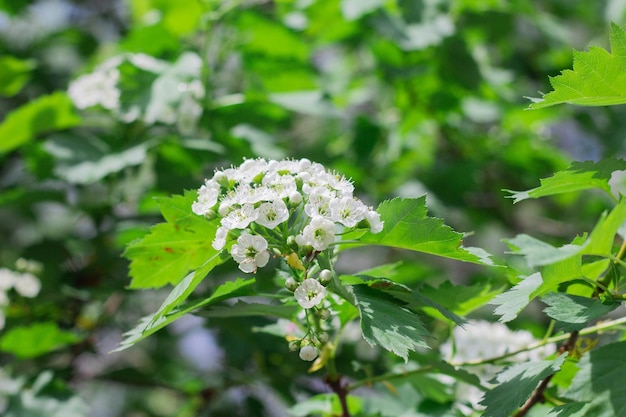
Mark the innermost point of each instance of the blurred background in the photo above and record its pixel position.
(105, 104)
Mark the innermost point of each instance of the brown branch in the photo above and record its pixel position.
(537, 395)
(336, 384)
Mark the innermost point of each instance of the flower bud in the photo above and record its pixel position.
(291, 284)
(294, 345)
(325, 276)
(324, 313)
(323, 337)
(308, 353)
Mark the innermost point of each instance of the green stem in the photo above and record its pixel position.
(388, 377)
(589, 330)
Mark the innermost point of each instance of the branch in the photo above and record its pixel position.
(339, 388)
(537, 395)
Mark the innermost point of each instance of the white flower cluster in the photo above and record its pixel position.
(175, 93)
(24, 283)
(284, 201)
(294, 209)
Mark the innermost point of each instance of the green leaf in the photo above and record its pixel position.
(539, 253)
(577, 177)
(172, 249)
(574, 312)
(44, 114)
(243, 309)
(35, 340)
(14, 74)
(152, 323)
(598, 77)
(516, 384)
(385, 322)
(407, 226)
(569, 410)
(511, 302)
(600, 381)
(461, 299)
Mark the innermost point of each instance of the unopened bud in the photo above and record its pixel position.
(323, 337)
(294, 345)
(324, 313)
(308, 353)
(325, 276)
(291, 284)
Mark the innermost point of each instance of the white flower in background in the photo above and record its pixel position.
(271, 214)
(7, 279)
(482, 340)
(27, 285)
(308, 353)
(250, 252)
(97, 88)
(310, 293)
(319, 234)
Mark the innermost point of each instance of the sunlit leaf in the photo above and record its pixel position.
(14, 74)
(172, 249)
(511, 302)
(579, 176)
(598, 77)
(516, 384)
(45, 114)
(36, 339)
(408, 226)
(574, 312)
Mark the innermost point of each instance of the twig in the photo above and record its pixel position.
(537, 395)
(337, 385)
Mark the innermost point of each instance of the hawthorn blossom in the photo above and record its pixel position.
(250, 252)
(318, 234)
(347, 211)
(271, 214)
(373, 218)
(27, 285)
(207, 197)
(310, 293)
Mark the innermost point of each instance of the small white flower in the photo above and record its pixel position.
(272, 214)
(4, 299)
(207, 197)
(27, 285)
(310, 293)
(250, 252)
(317, 205)
(347, 211)
(220, 238)
(308, 353)
(373, 218)
(319, 234)
(240, 217)
(7, 279)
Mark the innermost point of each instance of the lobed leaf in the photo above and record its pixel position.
(600, 381)
(577, 177)
(172, 249)
(511, 302)
(386, 322)
(598, 77)
(152, 323)
(516, 384)
(574, 312)
(407, 226)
